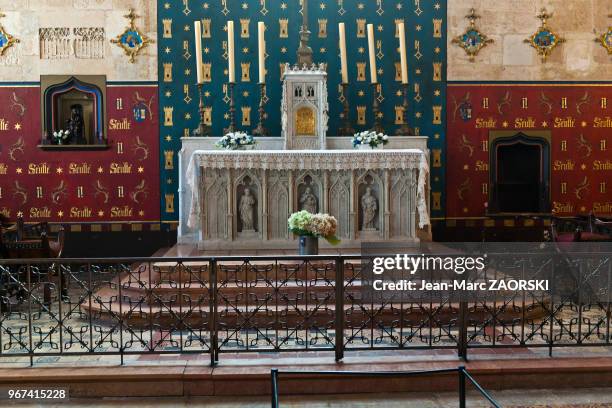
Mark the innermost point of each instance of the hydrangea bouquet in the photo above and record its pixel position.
(370, 138)
(314, 225)
(61, 136)
(236, 140)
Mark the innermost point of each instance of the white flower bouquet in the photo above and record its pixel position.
(369, 138)
(314, 225)
(61, 136)
(236, 140)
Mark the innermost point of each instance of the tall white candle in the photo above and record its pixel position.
(261, 29)
(403, 55)
(343, 61)
(198, 53)
(231, 67)
(372, 48)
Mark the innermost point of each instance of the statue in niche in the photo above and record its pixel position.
(309, 201)
(75, 124)
(369, 206)
(247, 205)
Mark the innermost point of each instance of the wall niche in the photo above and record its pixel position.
(75, 106)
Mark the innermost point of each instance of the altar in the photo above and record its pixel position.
(376, 195)
(242, 199)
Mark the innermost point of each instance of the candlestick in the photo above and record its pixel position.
(343, 60)
(203, 129)
(260, 130)
(346, 129)
(405, 130)
(261, 28)
(232, 110)
(198, 54)
(376, 110)
(403, 57)
(372, 49)
(231, 67)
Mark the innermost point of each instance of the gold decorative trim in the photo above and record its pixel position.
(6, 39)
(472, 40)
(544, 40)
(132, 40)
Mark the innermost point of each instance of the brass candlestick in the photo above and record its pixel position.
(232, 110)
(405, 130)
(376, 109)
(203, 129)
(346, 129)
(260, 130)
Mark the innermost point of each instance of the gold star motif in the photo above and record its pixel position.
(380, 28)
(205, 5)
(168, 94)
(418, 27)
(20, 214)
(245, 6)
(141, 169)
(245, 50)
(505, 124)
(283, 6)
(437, 50)
(60, 214)
(141, 213)
(169, 181)
(466, 167)
(544, 124)
(418, 114)
(245, 94)
(59, 170)
(583, 166)
(584, 124)
(168, 138)
(417, 71)
(583, 209)
(188, 116)
(360, 93)
(18, 170)
(186, 27)
(437, 6)
(322, 6)
(100, 213)
(187, 71)
(380, 71)
(226, 116)
(323, 50)
(361, 50)
(166, 6)
(100, 169)
(360, 6)
(399, 6)
(465, 210)
(380, 115)
(284, 50)
(206, 50)
(17, 126)
(399, 93)
(437, 92)
(167, 50)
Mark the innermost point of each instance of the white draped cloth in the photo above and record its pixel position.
(306, 160)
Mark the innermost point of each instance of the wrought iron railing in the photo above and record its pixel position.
(462, 373)
(78, 307)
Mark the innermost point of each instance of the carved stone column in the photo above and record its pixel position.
(354, 215)
(264, 204)
(231, 201)
(292, 199)
(324, 205)
(387, 208)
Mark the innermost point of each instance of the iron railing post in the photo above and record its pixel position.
(212, 275)
(274, 385)
(463, 326)
(339, 321)
(461, 386)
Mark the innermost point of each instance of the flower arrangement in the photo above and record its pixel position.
(61, 136)
(369, 138)
(236, 140)
(314, 225)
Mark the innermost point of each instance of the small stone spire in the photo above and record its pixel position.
(304, 52)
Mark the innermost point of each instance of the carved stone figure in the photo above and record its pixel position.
(309, 201)
(369, 206)
(75, 124)
(247, 205)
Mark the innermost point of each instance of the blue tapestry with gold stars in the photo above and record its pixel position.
(426, 40)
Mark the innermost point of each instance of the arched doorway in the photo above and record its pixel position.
(520, 172)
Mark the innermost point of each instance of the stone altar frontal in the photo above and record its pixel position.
(242, 199)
